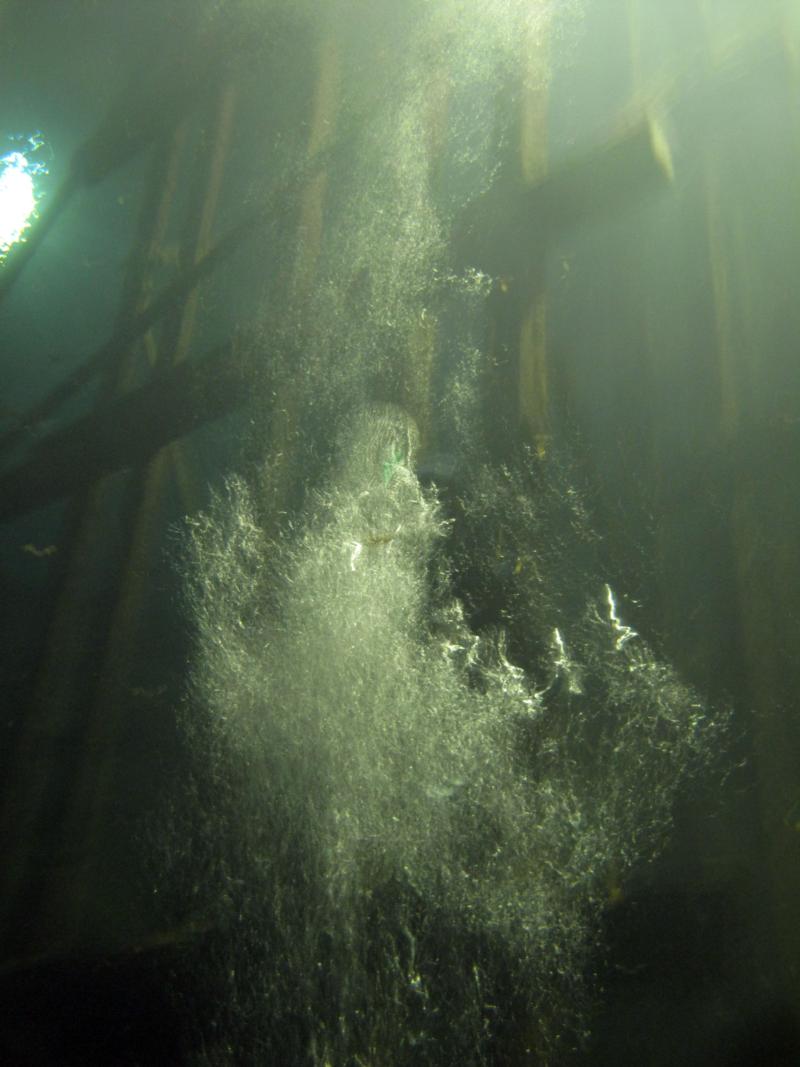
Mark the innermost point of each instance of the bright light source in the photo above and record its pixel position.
(17, 198)
(20, 168)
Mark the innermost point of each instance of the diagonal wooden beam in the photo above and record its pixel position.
(130, 429)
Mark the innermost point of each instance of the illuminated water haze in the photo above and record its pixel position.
(402, 817)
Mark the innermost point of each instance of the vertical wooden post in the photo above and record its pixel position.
(310, 231)
(516, 378)
(533, 148)
(767, 575)
(324, 115)
(60, 801)
(37, 860)
(92, 796)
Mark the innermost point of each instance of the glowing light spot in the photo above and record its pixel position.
(356, 547)
(17, 199)
(623, 633)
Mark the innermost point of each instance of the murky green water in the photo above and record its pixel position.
(470, 662)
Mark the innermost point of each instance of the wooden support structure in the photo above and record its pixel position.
(764, 521)
(74, 696)
(145, 113)
(534, 413)
(58, 824)
(585, 189)
(91, 799)
(43, 775)
(756, 515)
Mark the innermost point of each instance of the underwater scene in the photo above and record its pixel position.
(399, 532)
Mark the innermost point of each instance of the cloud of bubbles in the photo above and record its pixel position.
(400, 814)
(423, 734)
